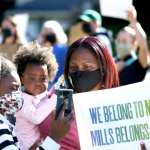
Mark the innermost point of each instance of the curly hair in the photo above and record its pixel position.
(33, 53)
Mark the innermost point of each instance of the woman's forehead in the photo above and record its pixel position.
(12, 78)
(84, 51)
(83, 56)
(14, 75)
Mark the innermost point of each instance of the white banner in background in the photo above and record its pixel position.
(115, 8)
(114, 119)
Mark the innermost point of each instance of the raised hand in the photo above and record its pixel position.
(132, 14)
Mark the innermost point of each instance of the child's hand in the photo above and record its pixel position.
(60, 127)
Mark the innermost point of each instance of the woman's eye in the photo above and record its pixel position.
(89, 68)
(84, 68)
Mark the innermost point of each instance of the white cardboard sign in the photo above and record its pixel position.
(115, 8)
(114, 119)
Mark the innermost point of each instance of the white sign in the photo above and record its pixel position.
(114, 119)
(115, 8)
(22, 23)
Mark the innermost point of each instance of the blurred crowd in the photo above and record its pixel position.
(83, 60)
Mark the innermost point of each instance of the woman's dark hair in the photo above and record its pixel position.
(33, 53)
(107, 65)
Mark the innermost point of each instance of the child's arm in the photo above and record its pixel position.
(58, 129)
(37, 114)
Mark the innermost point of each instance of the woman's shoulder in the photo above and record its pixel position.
(4, 124)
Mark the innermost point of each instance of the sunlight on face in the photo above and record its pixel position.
(35, 79)
(82, 60)
(9, 83)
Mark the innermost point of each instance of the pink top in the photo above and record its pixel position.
(35, 109)
(70, 141)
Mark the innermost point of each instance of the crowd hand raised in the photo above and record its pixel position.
(132, 15)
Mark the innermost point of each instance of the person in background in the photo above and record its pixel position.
(10, 102)
(36, 65)
(9, 34)
(132, 51)
(90, 24)
(52, 34)
(9, 39)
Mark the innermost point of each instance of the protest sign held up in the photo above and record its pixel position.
(117, 118)
(115, 9)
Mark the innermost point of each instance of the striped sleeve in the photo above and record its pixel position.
(8, 141)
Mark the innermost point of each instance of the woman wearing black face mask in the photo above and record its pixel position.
(89, 66)
(10, 102)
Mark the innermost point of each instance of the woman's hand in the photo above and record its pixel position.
(60, 126)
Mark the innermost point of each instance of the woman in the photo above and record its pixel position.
(89, 66)
(89, 60)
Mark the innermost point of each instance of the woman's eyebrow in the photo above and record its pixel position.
(85, 62)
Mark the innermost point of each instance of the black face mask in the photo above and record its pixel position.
(87, 28)
(51, 38)
(84, 81)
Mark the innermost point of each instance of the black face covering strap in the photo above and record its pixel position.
(84, 81)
